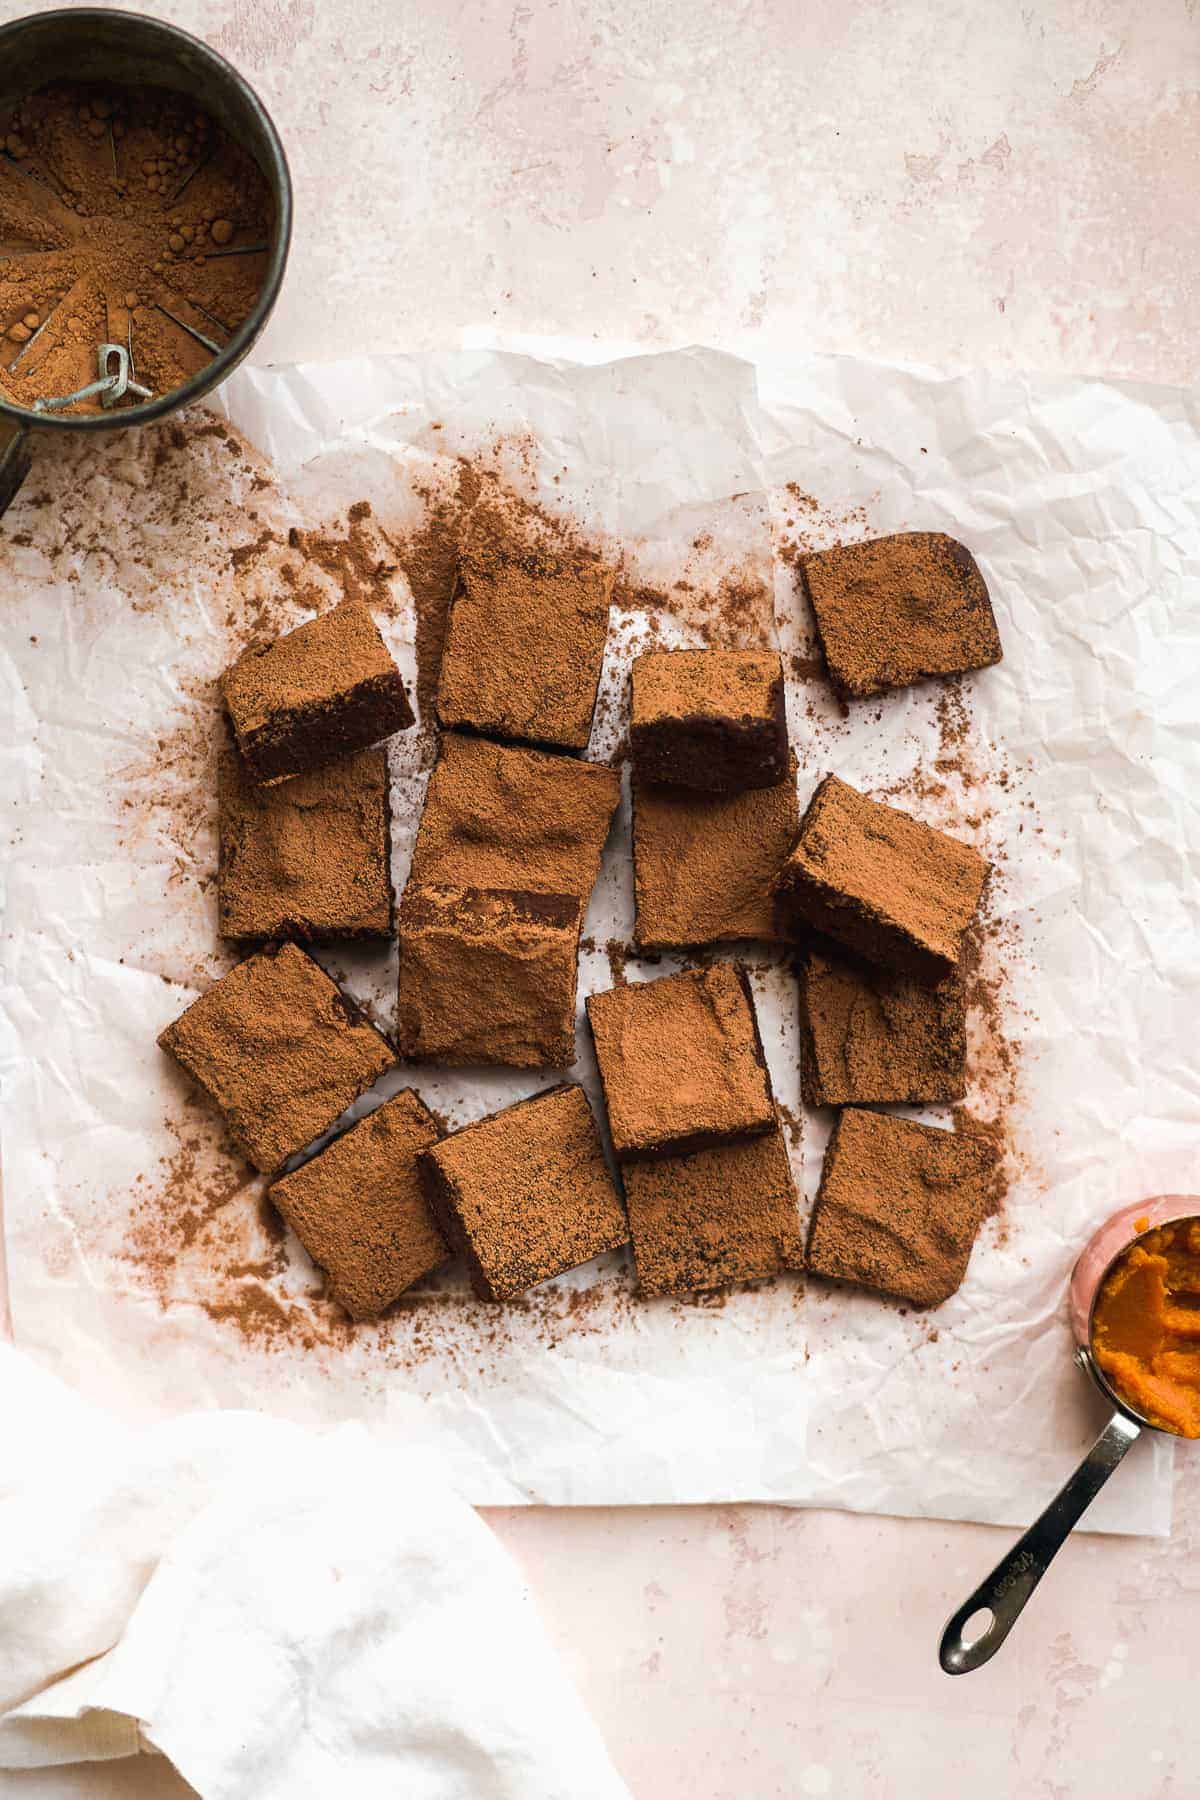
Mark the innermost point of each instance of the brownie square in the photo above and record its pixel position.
(705, 866)
(526, 1193)
(360, 1211)
(709, 719)
(680, 1061)
(488, 976)
(500, 817)
(899, 1205)
(714, 1217)
(894, 609)
(308, 858)
(323, 691)
(525, 640)
(870, 1035)
(279, 1050)
(882, 883)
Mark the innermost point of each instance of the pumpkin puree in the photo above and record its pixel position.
(1146, 1327)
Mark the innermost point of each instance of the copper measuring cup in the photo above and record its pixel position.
(1004, 1593)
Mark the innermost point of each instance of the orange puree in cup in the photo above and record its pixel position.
(1146, 1327)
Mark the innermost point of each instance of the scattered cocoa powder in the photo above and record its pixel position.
(114, 204)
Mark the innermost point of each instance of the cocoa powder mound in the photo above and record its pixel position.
(126, 217)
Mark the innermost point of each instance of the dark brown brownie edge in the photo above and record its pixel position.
(718, 756)
(304, 737)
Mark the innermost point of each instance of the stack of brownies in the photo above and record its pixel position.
(488, 927)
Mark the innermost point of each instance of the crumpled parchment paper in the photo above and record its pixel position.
(117, 586)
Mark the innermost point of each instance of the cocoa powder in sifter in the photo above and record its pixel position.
(126, 217)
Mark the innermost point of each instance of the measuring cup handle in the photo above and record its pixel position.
(1004, 1592)
(14, 461)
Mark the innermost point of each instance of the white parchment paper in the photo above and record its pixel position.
(118, 584)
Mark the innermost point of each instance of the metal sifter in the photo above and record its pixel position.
(94, 44)
(1001, 1597)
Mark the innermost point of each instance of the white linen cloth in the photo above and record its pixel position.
(283, 1613)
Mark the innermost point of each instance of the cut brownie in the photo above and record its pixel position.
(488, 976)
(894, 609)
(714, 1217)
(500, 817)
(709, 719)
(871, 1035)
(899, 1205)
(360, 1210)
(525, 640)
(881, 882)
(279, 1050)
(308, 858)
(705, 866)
(680, 1061)
(323, 691)
(526, 1193)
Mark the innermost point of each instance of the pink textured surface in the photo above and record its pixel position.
(947, 181)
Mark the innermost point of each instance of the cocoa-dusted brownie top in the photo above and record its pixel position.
(870, 1035)
(487, 976)
(712, 1217)
(308, 858)
(498, 816)
(680, 1061)
(360, 1211)
(894, 609)
(708, 719)
(526, 1194)
(881, 882)
(705, 865)
(899, 1205)
(525, 639)
(323, 691)
(279, 1050)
